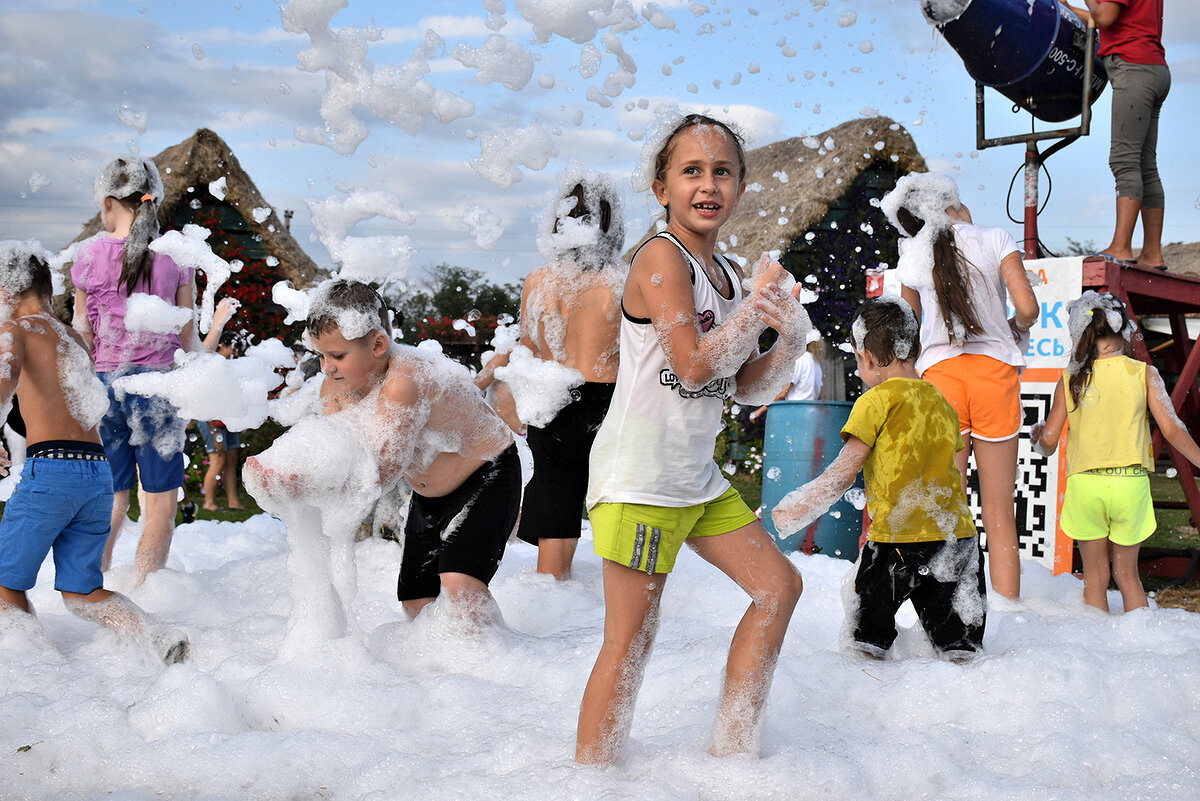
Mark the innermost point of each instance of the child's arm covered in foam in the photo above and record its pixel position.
(1169, 424)
(660, 283)
(800, 507)
(759, 380)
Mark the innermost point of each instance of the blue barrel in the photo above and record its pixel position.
(1031, 51)
(802, 438)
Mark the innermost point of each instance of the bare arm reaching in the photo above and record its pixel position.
(800, 507)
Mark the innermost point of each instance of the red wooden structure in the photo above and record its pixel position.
(1146, 291)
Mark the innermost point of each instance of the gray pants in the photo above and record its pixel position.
(1138, 94)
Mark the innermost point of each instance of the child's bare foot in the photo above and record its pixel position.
(235, 507)
(212, 508)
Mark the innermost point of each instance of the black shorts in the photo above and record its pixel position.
(553, 505)
(890, 574)
(462, 532)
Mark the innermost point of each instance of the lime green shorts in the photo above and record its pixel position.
(650, 537)
(1117, 507)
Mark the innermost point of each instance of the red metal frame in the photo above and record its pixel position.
(1145, 291)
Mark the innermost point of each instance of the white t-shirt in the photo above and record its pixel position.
(806, 379)
(984, 249)
(655, 446)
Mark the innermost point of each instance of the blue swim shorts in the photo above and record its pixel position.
(59, 504)
(221, 434)
(143, 437)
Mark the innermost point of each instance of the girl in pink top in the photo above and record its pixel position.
(143, 437)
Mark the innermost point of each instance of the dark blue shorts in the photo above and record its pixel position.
(143, 436)
(222, 435)
(59, 504)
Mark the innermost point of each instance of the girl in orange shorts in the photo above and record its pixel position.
(959, 277)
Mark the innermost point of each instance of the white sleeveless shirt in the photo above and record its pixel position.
(655, 446)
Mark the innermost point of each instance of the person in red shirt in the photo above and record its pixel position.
(1131, 46)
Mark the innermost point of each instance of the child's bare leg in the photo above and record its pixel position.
(413, 608)
(555, 557)
(114, 611)
(750, 557)
(229, 477)
(1129, 580)
(120, 510)
(158, 525)
(997, 464)
(631, 602)
(14, 598)
(109, 609)
(468, 597)
(1096, 575)
(216, 463)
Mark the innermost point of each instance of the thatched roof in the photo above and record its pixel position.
(1183, 258)
(803, 176)
(799, 179)
(194, 164)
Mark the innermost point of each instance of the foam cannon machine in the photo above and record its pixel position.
(1041, 57)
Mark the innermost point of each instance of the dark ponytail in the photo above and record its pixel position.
(951, 280)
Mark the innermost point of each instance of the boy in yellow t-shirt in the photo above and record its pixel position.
(922, 545)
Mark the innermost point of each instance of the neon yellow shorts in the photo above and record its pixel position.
(1116, 507)
(650, 537)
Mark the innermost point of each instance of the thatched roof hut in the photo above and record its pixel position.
(243, 216)
(796, 182)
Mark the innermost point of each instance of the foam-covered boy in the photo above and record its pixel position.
(424, 421)
(65, 497)
(922, 545)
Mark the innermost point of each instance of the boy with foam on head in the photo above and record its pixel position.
(922, 545)
(64, 499)
(424, 421)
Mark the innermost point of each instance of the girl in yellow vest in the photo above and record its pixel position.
(1109, 456)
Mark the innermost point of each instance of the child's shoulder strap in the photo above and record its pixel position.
(687, 256)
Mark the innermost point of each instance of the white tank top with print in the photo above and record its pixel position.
(655, 446)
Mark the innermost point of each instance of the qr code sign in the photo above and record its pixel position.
(1036, 493)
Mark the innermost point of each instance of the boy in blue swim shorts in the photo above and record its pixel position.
(64, 499)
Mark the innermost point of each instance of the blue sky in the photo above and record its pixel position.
(76, 76)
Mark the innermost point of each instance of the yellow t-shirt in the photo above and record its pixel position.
(914, 489)
(1109, 427)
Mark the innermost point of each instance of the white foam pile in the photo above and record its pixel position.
(376, 259)
(541, 388)
(1066, 703)
(188, 248)
(206, 386)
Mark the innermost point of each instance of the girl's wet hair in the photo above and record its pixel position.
(692, 121)
(1098, 328)
(887, 329)
(951, 280)
(136, 185)
(342, 294)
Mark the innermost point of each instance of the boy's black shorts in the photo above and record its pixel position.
(553, 505)
(462, 532)
(890, 574)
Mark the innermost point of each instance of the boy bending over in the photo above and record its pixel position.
(425, 422)
(922, 544)
(64, 499)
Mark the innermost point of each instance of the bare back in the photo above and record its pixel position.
(573, 316)
(428, 421)
(60, 396)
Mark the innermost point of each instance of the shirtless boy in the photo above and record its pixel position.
(430, 427)
(64, 499)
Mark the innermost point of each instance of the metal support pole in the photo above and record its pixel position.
(1033, 163)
